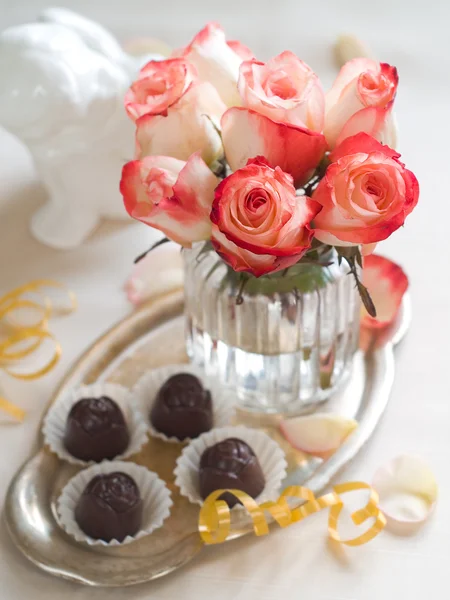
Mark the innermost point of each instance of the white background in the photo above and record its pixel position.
(296, 562)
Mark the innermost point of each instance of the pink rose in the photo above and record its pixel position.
(160, 85)
(217, 60)
(260, 225)
(361, 99)
(285, 89)
(366, 193)
(188, 126)
(296, 150)
(170, 195)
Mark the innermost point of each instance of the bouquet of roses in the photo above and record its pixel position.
(255, 160)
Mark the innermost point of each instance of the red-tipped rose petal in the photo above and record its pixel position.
(407, 491)
(387, 284)
(319, 434)
(373, 120)
(240, 49)
(246, 133)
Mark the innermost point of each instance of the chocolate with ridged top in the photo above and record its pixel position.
(230, 464)
(96, 430)
(182, 408)
(110, 508)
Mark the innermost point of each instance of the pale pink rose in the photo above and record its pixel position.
(171, 195)
(361, 99)
(285, 89)
(159, 272)
(216, 61)
(296, 150)
(190, 125)
(366, 194)
(260, 225)
(160, 85)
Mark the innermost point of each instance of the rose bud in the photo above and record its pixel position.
(366, 193)
(260, 225)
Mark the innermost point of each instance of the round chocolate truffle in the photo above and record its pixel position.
(182, 408)
(230, 464)
(110, 508)
(96, 430)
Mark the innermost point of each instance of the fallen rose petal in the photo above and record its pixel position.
(407, 492)
(387, 284)
(159, 272)
(319, 434)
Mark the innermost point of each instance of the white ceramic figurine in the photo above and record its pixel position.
(62, 82)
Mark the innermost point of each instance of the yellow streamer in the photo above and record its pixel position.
(12, 409)
(20, 340)
(215, 521)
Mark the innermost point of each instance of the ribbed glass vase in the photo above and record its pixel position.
(290, 341)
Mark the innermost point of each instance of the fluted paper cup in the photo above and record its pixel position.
(154, 494)
(56, 419)
(270, 456)
(145, 391)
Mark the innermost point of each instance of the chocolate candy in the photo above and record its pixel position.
(110, 508)
(182, 408)
(230, 464)
(96, 430)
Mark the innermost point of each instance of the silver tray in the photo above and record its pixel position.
(151, 337)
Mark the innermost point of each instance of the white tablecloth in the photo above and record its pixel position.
(296, 562)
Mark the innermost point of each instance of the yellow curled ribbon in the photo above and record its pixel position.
(215, 521)
(19, 340)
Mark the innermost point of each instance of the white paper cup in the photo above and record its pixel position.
(270, 455)
(146, 389)
(56, 419)
(154, 493)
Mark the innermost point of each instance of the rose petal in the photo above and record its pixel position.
(407, 492)
(160, 84)
(216, 61)
(170, 195)
(361, 83)
(184, 217)
(240, 49)
(246, 134)
(160, 272)
(319, 434)
(361, 143)
(190, 125)
(351, 70)
(375, 121)
(285, 89)
(241, 260)
(387, 284)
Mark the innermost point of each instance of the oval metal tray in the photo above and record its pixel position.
(151, 337)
